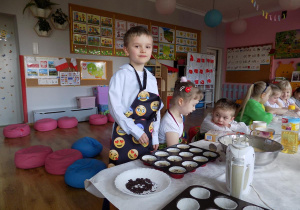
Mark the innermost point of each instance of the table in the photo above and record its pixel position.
(277, 183)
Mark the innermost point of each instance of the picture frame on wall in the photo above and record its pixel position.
(287, 44)
(296, 76)
(93, 70)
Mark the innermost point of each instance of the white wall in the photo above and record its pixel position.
(58, 43)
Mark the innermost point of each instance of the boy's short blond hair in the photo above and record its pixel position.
(135, 31)
(225, 104)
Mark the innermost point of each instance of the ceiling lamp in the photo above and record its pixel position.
(239, 26)
(165, 7)
(289, 4)
(213, 17)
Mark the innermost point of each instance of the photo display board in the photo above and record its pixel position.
(41, 71)
(99, 32)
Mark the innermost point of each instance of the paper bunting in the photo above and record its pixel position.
(267, 16)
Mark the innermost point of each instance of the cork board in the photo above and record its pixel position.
(99, 32)
(249, 76)
(33, 82)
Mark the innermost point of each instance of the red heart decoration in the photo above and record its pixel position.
(198, 60)
(209, 81)
(117, 142)
(132, 151)
(190, 71)
(196, 81)
(191, 58)
(203, 60)
(196, 71)
(201, 71)
(202, 82)
(121, 141)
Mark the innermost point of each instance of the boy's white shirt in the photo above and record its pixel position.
(123, 89)
(168, 124)
(208, 124)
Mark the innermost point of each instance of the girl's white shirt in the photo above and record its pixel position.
(168, 124)
(208, 124)
(123, 89)
(289, 102)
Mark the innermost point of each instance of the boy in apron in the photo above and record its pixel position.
(134, 102)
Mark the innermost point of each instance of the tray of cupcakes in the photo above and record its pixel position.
(179, 159)
(200, 197)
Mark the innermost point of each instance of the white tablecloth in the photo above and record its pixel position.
(277, 183)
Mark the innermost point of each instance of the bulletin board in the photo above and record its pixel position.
(99, 32)
(248, 64)
(33, 82)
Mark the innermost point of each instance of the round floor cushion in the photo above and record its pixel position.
(81, 170)
(110, 118)
(32, 157)
(88, 146)
(16, 130)
(67, 122)
(57, 162)
(98, 119)
(46, 124)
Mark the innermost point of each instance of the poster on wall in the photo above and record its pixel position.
(40, 67)
(287, 44)
(93, 70)
(166, 35)
(166, 51)
(69, 78)
(248, 58)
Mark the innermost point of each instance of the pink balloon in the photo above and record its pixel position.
(165, 7)
(289, 4)
(238, 26)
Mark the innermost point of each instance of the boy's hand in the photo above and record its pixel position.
(155, 147)
(144, 139)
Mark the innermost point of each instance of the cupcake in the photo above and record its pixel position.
(174, 159)
(210, 154)
(177, 172)
(173, 151)
(195, 150)
(183, 146)
(150, 159)
(190, 165)
(161, 154)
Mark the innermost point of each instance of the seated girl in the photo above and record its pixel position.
(222, 118)
(273, 105)
(185, 97)
(253, 105)
(285, 97)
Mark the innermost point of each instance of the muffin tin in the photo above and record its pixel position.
(179, 159)
(199, 197)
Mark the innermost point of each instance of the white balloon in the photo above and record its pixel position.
(289, 4)
(238, 26)
(165, 7)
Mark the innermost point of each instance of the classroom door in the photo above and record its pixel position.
(217, 52)
(10, 79)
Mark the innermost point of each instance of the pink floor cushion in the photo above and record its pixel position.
(46, 124)
(57, 162)
(16, 130)
(88, 146)
(67, 122)
(110, 118)
(98, 119)
(81, 170)
(32, 157)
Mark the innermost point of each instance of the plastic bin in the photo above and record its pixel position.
(85, 102)
(101, 93)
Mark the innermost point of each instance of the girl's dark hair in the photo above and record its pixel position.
(226, 104)
(297, 90)
(186, 90)
(135, 31)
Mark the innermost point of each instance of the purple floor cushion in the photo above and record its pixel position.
(57, 162)
(81, 170)
(32, 157)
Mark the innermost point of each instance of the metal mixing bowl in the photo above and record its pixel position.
(266, 150)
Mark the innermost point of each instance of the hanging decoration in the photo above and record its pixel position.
(239, 26)
(165, 7)
(3, 35)
(272, 17)
(213, 17)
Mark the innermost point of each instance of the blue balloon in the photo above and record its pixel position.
(213, 18)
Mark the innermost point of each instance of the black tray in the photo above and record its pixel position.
(207, 203)
(179, 163)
